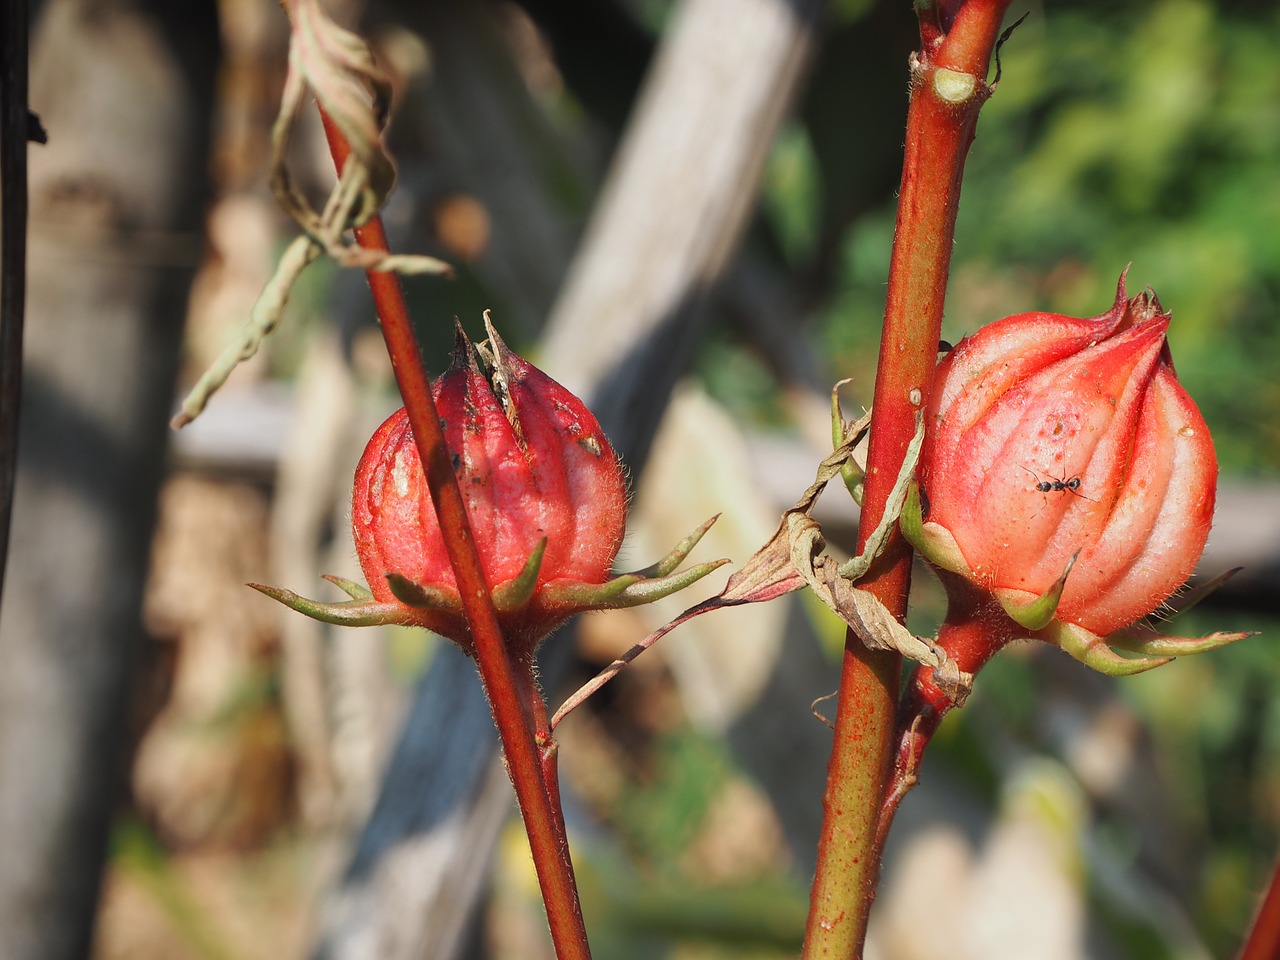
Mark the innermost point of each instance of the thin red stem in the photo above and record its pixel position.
(512, 710)
(940, 127)
(548, 748)
(976, 628)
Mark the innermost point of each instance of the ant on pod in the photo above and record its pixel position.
(1058, 485)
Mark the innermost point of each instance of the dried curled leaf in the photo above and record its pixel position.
(793, 557)
(337, 66)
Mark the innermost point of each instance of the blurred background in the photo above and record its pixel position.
(683, 210)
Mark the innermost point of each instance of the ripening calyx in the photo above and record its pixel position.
(545, 498)
(1067, 476)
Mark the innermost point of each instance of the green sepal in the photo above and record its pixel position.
(655, 588)
(347, 613)
(514, 594)
(932, 541)
(911, 520)
(675, 557)
(414, 594)
(1036, 614)
(850, 473)
(1177, 606)
(354, 590)
(1092, 650)
(628, 590)
(1149, 643)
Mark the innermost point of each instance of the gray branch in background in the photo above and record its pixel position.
(424, 853)
(125, 91)
(675, 207)
(622, 332)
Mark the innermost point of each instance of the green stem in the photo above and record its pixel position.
(512, 709)
(948, 88)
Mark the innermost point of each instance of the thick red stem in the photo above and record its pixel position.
(844, 882)
(508, 697)
(940, 128)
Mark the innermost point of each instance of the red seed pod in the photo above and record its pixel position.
(532, 464)
(545, 498)
(1066, 473)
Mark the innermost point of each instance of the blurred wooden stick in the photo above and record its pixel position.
(17, 126)
(674, 208)
(117, 201)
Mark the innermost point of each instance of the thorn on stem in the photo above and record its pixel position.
(813, 708)
(1008, 32)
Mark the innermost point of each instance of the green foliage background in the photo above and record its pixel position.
(1143, 133)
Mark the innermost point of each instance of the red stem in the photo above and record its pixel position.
(940, 127)
(1263, 941)
(508, 698)
(548, 747)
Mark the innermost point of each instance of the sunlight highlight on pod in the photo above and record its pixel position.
(1067, 474)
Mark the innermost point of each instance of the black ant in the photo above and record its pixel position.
(1055, 485)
